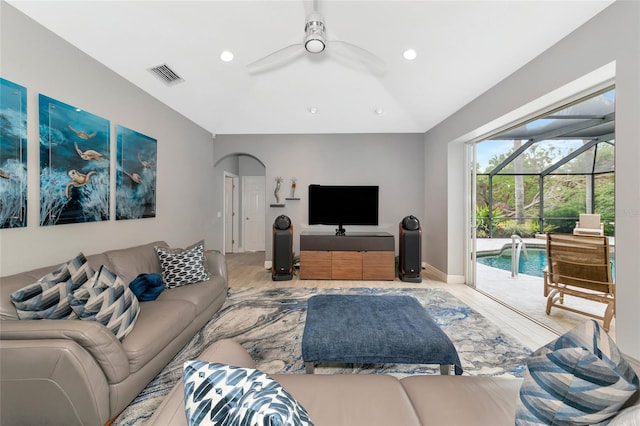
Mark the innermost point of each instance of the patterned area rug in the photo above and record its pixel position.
(269, 324)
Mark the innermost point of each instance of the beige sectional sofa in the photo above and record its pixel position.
(370, 399)
(77, 372)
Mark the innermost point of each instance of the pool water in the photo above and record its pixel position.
(531, 263)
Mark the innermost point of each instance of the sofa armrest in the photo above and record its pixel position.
(94, 337)
(217, 264)
(51, 381)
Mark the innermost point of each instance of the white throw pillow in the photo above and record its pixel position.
(183, 266)
(224, 395)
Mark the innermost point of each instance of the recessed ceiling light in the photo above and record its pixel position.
(226, 56)
(313, 110)
(378, 111)
(409, 54)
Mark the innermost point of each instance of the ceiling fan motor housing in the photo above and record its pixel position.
(314, 40)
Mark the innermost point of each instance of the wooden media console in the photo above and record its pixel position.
(355, 256)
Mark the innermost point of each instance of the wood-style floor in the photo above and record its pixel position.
(247, 270)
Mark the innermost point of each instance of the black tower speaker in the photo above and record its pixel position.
(410, 261)
(282, 263)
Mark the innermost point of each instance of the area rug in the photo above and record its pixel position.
(269, 324)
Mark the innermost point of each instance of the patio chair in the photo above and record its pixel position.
(579, 265)
(589, 224)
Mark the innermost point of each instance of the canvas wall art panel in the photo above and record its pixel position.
(136, 175)
(13, 155)
(74, 164)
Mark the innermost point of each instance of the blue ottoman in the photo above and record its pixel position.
(374, 330)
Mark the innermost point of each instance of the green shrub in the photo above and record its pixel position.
(482, 221)
(535, 227)
(510, 227)
(562, 218)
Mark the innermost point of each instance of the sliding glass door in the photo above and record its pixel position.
(470, 216)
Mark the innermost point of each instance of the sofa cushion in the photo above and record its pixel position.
(200, 294)
(579, 378)
(159, 322)
(183, 266)
(47, 297)
(628, 417)
(352, 399)
(463, 400)
(107, 300)
(97, 260)
(130, 262)
(227, 395)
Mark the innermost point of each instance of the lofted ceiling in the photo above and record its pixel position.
(463, 49)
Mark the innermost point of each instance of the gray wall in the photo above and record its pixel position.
(392, 161)
(249, 166)
(613, 35)
(43, 63)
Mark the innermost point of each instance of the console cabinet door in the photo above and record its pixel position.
(378, 265)
(346, 265)
(315, 265)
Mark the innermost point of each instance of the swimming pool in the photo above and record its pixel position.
(531, 263)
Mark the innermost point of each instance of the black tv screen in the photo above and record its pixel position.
(343, 205)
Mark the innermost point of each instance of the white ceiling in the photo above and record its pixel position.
(464, 48)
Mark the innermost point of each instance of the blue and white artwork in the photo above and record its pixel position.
(74, 164)
(136, 175)
(13, 155)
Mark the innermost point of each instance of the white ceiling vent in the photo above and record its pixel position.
(166, 74)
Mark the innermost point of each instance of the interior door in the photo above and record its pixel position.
(253, 207)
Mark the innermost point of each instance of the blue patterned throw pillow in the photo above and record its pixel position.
(224, 395)
(108, 300)
(47, 297)
(181, 267)
(581, 378)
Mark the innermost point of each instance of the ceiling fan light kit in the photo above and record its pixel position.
(314, 41)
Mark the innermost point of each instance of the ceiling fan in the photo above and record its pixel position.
(315, 42)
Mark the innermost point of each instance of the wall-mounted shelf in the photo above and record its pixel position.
(276, 205)
(293, 199)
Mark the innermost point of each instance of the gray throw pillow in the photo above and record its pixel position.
(581, 378)
(108, 300)
(47, 297)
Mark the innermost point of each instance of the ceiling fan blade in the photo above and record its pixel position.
(276, 59)
(355, 53)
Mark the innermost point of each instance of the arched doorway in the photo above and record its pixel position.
(243, 193)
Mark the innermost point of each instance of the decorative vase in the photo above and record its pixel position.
(293, 187)
(275, 192)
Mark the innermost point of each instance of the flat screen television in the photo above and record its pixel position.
(343, 205)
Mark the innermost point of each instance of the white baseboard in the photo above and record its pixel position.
(455, 279)
(449, 279)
